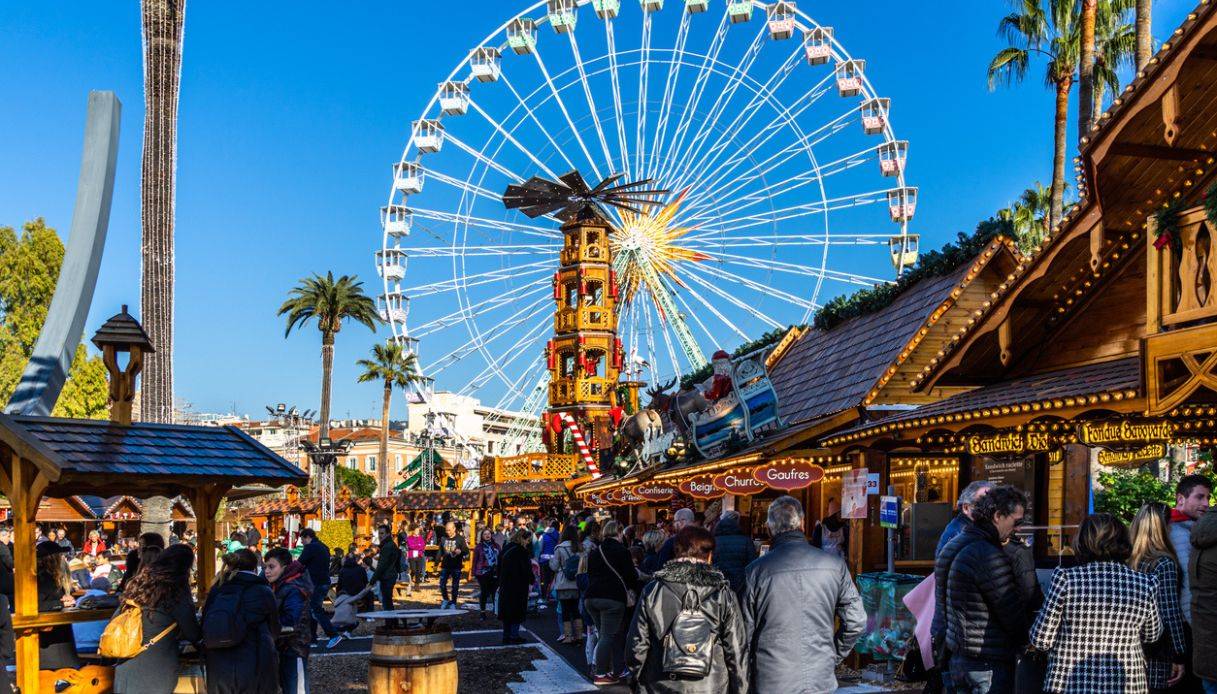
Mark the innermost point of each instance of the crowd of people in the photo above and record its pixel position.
(1132, 612)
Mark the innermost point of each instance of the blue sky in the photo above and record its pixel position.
(291, 116)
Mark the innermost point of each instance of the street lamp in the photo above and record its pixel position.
(324, 457)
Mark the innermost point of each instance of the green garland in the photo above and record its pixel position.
(1167, 221)
(932, 264)
(1210, 204)
(769, 338)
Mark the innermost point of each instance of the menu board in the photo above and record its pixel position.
(1015, 471)
(853, 494)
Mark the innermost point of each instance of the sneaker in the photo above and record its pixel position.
(605, 680)
(334, 641)
(624, 675)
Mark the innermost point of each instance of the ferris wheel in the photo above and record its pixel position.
(786, 186)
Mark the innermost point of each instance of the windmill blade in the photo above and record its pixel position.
(627, 186)
(575, 181)
(541, 209)
(603, 185)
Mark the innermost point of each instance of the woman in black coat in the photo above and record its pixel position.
(56, 647)
(162, 591)
(251, 667)
(515, 581)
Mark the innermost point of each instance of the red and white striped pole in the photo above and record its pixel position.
(581, 444)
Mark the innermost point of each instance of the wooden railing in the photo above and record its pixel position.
(1182, 276)
(533, 466)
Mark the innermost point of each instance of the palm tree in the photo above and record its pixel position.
(330, 301)
(397, 368)
(1086, 111)
(1115, 47)
(1145, 38)
(1052, 33)
(1030, 215)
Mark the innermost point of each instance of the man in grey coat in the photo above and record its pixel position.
(1191, 501)
(792, 597)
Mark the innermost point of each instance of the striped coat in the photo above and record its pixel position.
(1094, 621)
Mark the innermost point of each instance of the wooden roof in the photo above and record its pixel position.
(100, 457)
(1081, 298)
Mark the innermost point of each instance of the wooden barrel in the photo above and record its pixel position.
(412, 661)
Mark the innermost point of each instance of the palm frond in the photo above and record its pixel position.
(1008, 67)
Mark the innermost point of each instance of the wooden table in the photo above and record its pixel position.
(424, 617)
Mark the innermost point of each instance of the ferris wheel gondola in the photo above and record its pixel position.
(779, 156)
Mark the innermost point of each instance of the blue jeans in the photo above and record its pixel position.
(293, 673)
(972, 676)
(320, 618)
(445, 575)
(1210, 686)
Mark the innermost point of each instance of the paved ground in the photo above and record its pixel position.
(547, 667)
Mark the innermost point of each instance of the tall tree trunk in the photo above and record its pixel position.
(156, 516)
(383, 470)
(1058, 156)
(1086, 71)
(162, 22)
(1145, 38)
(327, 375)
(1099, 92)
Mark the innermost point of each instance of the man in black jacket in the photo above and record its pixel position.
(733, 550)
(316, 559)
(388, 565)
(985, 615)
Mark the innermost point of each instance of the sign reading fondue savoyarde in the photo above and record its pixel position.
(1008, 442)
(701, 487)
(655, 491)
(788, 476)
(1124, 431)
(738, 482)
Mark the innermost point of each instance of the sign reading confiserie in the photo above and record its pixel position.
(788, 476)
(655, 491)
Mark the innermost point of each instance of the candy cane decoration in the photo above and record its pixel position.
(581, 444)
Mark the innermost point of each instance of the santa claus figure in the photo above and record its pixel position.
(721, 385)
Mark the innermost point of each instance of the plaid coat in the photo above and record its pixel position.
(1167, 572)
(1095, 618)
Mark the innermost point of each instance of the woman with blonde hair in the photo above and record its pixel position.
(1152, 553)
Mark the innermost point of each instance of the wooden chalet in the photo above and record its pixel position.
(53, 458)
(1101, 349)
(828, 381)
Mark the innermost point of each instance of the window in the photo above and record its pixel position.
(568, 364)
(490, 447)
(353, 463)
(397, 459)
(595, 292)
(371, 463)
(572, 294)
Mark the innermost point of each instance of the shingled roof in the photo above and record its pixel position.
(825, 372)
(87, 456)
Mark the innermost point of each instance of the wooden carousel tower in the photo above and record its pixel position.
(584, 357)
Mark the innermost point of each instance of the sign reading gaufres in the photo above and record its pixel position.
(1009, 442)
(789, 475)
(1125, 431)
(701, 487)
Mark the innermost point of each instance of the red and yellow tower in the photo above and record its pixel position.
(585, 356)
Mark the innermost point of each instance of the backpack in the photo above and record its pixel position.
(224, 621)
(570, 567)
(124, 635)
(688, 644)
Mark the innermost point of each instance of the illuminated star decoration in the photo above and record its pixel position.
(645, 249)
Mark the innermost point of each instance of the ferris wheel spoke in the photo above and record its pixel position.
(539, 286)
(798, 146)
(511, 138)
(481, 251)
(537, 121)
(708, 244)
(648, 310)
(640, 134)
(712, 339)
(618, 110)
(483, 223)
(528, 375)
(714, 310)
(665, 327)
(764, 289)
(734, 301)
(707, 126)
(497, 367)
(699, 87)
(483, 338)
(798, 269)
(669, 92)
(795, 182)
(591, 102)
(482, 158)
(478, 279)
(761, 96)
(562, 106)
(798, 211)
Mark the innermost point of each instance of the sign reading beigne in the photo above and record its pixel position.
(788, 476)
(701, 487)
(738, 482)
